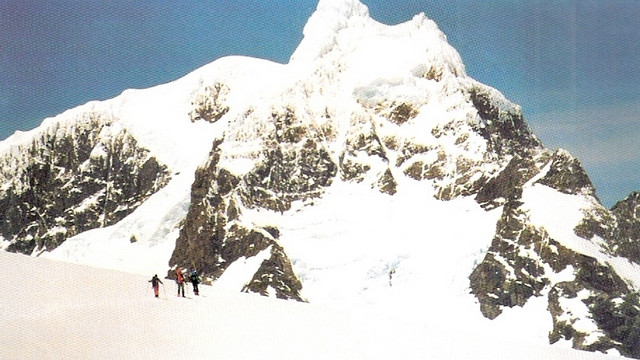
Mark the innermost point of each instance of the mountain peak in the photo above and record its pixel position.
(320, 32)
(343, 32)
(344, 7)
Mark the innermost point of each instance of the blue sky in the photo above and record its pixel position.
(573, 65)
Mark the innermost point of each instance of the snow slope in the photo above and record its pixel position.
(67, 311)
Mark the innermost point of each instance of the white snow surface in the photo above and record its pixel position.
(67, 311)
(362, 246)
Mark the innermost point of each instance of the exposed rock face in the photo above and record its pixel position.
(214, 237)
(296, 166)
(627, 215)
(505, 277)
(567, 175)
(73, 180)
(612, 308)
(502, 124)
(507, 184)
(276, 273)
(209, 105)
(524, 261)
(507, 138)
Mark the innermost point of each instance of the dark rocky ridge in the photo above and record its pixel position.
(74, 180)
(505, 129)
(523, 260)
(626, 243)
(567, 175)
(213, 236)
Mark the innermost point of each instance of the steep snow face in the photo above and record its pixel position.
(377, 249)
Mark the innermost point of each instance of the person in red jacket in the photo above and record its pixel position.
(180, 281)
(155, 281)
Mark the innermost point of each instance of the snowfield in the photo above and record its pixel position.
(57, 310)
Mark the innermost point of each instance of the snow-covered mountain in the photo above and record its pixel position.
(369, 170)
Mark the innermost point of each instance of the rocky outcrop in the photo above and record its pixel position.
(567, 175)
(523, 261)
(617, 228)
(209, 104)
(72, 180)
(509, 142)
(611, 307)
(512, 270)
(507, 184)
(295, 165)
(502, 123)
(214, 236)
(627, 216)
(276, 274)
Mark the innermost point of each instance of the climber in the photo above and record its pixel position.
(194, 281)
(155, 281)
(180, 281)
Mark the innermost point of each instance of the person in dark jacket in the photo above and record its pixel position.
(155, 284)
(194, 281)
